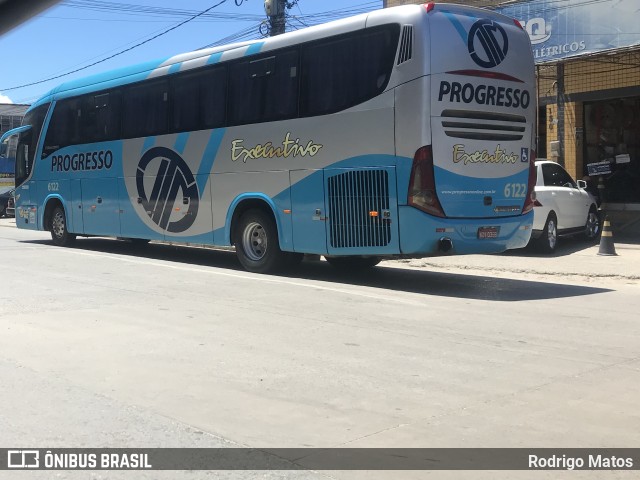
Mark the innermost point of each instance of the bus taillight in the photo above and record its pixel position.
(422, 185)
(531, 185)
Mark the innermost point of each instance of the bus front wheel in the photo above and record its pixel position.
(59, 233)
(256, 241)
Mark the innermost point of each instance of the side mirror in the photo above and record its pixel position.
(582, 184)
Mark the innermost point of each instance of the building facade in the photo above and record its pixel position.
(588, 69)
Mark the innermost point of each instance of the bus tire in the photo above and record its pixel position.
(353, 263)
(257, 244)
(59, 233)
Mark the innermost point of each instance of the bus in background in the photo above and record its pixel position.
(407, 131)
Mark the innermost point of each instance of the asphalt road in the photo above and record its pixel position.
(109, 345)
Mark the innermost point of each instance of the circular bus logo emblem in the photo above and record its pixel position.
(488, 43)
(173, 176)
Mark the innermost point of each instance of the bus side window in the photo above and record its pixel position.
(64, 127)
(213, 98)
(264, 90)
(198, 100)
(101, 114)
(145, 109)
(340, 73)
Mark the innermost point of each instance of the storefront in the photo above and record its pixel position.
(612, 133)
(588, 63)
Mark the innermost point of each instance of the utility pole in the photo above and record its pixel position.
(275, 10)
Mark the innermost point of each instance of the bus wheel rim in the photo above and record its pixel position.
(254, 241)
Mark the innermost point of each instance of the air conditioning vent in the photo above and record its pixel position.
(358, 200)
(483, 125)
(406, 44)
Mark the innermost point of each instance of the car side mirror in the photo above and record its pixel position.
(582, 184)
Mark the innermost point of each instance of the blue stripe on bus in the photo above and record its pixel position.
(101, 81)
(148, 143)
(175, 68)
(215, 58)
(181, 142)
(470, 203)
(209, 155)
(458, 26)
(253, 49)
(418, 234)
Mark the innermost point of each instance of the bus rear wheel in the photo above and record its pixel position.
(59, 233)
(257, 245)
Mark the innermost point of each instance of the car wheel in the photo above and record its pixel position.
(59, 233)
(257, 245)
(592, 227)
(353, 263)
(548, 241)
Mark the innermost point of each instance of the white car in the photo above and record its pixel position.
(562, 207)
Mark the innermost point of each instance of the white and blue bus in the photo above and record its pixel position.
(407, 131)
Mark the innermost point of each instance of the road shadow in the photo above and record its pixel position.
(566, 246)
(386, 277)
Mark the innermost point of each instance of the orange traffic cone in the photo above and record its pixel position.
(606, 239)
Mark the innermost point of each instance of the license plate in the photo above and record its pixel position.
(488, 232)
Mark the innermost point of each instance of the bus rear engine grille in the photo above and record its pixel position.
(357, 202)
(483, 125)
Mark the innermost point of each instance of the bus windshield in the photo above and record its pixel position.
(27, 143)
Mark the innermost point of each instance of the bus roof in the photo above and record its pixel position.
(199, 58)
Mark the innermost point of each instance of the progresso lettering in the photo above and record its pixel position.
(484, 95)
(102, 159)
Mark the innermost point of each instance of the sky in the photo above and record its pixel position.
(77, 33)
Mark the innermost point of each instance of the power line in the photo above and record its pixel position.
(148, 11)
(244, 34)
(164, 32)
(205, 15)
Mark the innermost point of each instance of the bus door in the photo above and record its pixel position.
(362, 211)
(100, 206)
(75, 214)
(308, 211)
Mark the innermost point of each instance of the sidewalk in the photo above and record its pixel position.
(574, 258)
